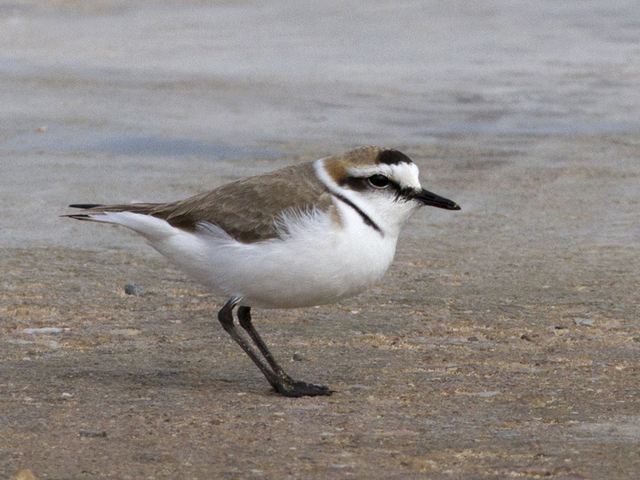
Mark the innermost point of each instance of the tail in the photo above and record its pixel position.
(94, 210)
(136, 216)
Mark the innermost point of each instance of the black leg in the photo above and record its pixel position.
(244, 317)
(275, 375)
(225, 316)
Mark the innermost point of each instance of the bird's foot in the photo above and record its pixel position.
(297, 388)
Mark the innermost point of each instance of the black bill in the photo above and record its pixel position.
(433, 200)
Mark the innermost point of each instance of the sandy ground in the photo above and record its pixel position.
(504, 341)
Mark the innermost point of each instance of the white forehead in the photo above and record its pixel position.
(404, 173)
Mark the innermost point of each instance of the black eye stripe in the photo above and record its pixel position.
(361, 184)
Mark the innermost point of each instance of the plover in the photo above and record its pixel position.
(305, 235)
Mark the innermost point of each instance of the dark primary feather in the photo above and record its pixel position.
(86, 206)
(246, 209)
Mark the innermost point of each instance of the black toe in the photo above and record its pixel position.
(302, 389)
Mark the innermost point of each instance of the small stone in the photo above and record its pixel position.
(297, 357)
(43, 330)
(526, 337)
(486, 394)
(92, 433)
(41, 129)
(589, 322)
(129, 332)
(131, 289)
(560, 330)
(25, 475)
(357, 386)
(472, 339)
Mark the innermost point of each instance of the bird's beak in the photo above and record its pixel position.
(427, 198)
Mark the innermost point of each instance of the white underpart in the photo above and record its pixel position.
(316, 261)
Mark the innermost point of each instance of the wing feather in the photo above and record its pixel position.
(248, 209)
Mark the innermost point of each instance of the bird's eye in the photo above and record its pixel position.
(378, 181)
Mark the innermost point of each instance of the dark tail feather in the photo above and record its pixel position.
(85, 206)
(96, 208)
(78, 216)
(146, 208)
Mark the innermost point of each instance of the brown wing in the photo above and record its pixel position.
(246, 209)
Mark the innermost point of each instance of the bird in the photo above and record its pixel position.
(305, 235)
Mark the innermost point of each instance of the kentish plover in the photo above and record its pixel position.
(305, 235)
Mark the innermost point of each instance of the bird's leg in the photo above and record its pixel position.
(244, 317)
(281, 382)
(288, 386)
(225, 316)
